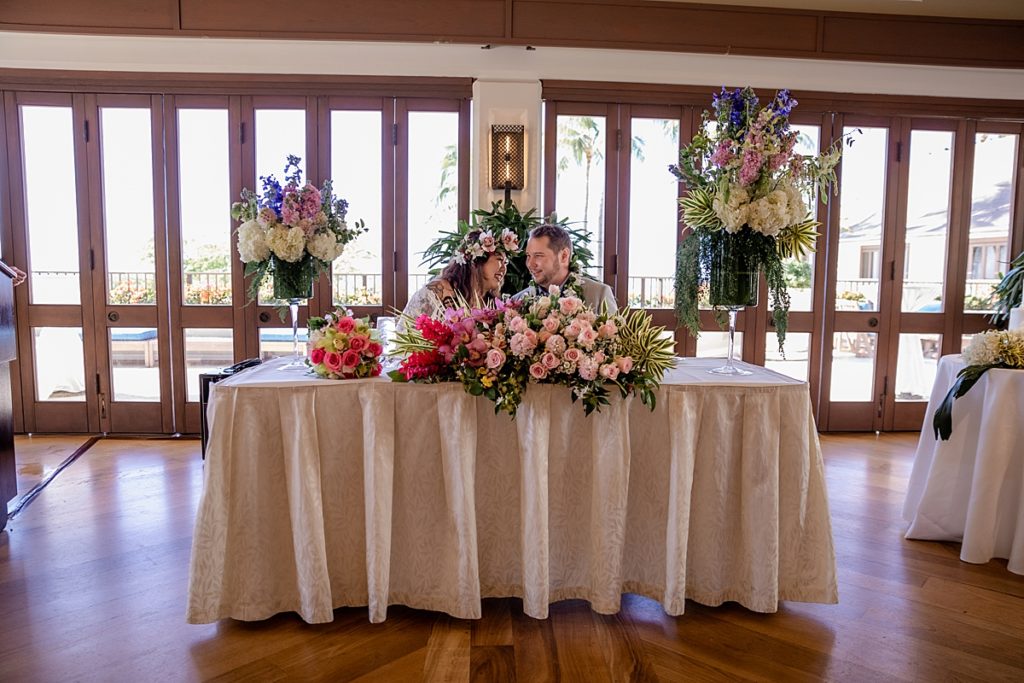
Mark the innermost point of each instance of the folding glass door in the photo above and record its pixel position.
(87, 206)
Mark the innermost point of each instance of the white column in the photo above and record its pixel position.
(506, 102)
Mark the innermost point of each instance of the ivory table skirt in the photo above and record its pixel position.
(320, 494)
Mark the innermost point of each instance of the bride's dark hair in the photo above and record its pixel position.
(467, 278)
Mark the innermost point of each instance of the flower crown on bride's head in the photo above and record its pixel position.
(479, 243)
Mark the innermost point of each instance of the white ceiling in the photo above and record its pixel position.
(977, 9)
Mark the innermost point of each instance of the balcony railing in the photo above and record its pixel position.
(647, 291)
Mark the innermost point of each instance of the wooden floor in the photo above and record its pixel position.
(93, 577)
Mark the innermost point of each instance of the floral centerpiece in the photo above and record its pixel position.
(498, 351)
(291, 232)
(343, 347)
(745, 204)
(991, 349)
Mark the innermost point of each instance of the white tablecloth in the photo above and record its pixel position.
(969, 489)
(324, 494)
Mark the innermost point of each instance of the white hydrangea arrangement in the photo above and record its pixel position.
(291, 232)
(990, 349)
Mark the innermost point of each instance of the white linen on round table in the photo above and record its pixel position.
(969, 489)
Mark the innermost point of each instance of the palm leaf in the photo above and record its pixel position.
(798, 240)
(698, 210)
(652, 353)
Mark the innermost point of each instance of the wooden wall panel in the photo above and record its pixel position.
(630, 24)
(918, 40)
(115, 14)
(437, 19)
(660, 26)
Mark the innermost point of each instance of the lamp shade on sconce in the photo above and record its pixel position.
(508, 167)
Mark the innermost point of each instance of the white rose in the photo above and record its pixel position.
(252, 244)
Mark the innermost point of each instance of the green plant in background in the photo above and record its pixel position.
(501, 217)
(977, 303)
(797, 273)
(1009, 292)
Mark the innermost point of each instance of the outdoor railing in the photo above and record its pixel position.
(365, 289)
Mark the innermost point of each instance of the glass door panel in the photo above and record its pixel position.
(433, 185)
(916, 362)
(800, 271)
(207, 350)
(127, 177)
(279, 133)
(59, 361)
(927, 226)
(51, 211)
(853, 366)
(653, 212)
(204, 201)
(134, 364)
(356, 165)
(580, 172)
(862, 209)
(796, 362)
(988, 249)
(854, 362)
(131, 328)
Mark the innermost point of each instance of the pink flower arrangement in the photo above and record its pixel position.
(343, 347)
(553, 339)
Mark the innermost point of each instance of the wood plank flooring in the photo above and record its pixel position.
(94, 572)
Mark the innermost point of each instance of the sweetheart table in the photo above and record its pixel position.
(321, 494)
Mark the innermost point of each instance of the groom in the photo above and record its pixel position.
(547, 258)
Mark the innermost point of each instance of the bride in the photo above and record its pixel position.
(474, 275)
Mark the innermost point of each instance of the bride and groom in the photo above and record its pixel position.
(476, 272)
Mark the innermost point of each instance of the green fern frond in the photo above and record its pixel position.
(798, 240)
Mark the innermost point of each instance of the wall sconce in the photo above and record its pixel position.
(508, 167)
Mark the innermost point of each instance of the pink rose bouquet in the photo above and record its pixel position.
(343, 347)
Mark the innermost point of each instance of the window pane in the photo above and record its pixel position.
(931, 166)
(991, 202)
(653, 213)
(356, 172)
(797, 359)
(716, 345)
(51, 204)
(915, 367)
(205, 201)
(433, 185)
(127, 154)
(207, 350)
(277, 341)
(580, 173)
(134, 364)
(279, 133)
(59, 363)
(861, 212)
(853, 365)
(800, 272)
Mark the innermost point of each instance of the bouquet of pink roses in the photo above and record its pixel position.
(497, 352)
(343, 347)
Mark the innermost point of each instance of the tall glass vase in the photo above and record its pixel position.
(293, 282)
(733, 286)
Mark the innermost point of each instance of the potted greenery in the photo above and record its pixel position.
(1008, 293)
(505, 216)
